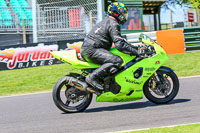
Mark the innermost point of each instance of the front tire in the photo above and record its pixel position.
(69, 101)
(164, 93)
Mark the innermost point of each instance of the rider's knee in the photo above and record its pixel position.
(118, 62)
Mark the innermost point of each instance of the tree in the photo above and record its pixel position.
(193, 3)
(169, 3)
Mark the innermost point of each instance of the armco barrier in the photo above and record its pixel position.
(192, 37)
(133, 37)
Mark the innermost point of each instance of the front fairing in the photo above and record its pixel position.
(129, 83)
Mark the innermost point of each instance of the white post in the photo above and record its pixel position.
(149, 23)
(100, 10)
(171, 16)
(34, 19)
(198, 16)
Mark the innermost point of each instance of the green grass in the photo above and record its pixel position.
(185, 64)
(194, 128)
(43, 78)
(32, 79)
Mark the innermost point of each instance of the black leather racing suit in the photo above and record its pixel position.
(98, 42)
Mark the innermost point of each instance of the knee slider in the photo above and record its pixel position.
(113, 70)
(118, 62)
(109, 68)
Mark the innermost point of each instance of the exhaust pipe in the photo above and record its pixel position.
(82, 86)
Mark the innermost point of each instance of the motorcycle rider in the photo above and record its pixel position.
(99, 40)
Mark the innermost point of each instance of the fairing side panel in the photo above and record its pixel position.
(70, 57)
(126, 57)
(128, 83)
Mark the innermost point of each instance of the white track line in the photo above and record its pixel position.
(198, 76)
(153, 128)
(26, 94)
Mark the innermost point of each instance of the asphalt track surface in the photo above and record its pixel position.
(38, 114)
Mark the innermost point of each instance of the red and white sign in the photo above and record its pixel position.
(190, 17)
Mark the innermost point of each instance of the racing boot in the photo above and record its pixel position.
(103, 71)
(93, 81)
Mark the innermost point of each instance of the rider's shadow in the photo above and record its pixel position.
(133, 106)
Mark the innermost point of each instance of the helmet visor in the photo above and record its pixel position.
(126, 15)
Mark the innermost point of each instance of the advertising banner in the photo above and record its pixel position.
(32, 55)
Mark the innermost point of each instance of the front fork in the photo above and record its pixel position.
(156, 81)
(157, 78)
(159, 83)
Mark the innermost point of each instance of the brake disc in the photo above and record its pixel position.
(164, 89)
(161, 90)
(74, 95)
(166, 86)
(71, 95)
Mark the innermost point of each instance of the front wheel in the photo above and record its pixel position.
(162, 87)
(70, 99)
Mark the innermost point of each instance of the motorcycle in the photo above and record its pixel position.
(138, 75)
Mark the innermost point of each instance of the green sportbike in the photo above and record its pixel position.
(137, 76)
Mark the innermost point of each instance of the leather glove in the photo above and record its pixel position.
(142, 50)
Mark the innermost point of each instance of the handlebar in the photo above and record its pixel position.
(149, 51)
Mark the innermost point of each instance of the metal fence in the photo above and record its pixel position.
(12, 21)
(65, 19)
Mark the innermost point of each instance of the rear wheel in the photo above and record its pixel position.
(164, 90)
(70, 99)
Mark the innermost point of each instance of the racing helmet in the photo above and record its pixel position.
(119, 11)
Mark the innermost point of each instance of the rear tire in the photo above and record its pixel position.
(62, 105)
(173, 92)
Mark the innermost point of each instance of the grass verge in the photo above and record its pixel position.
(193, 128)
(43, 78)
(185, 64)
(32, 79)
